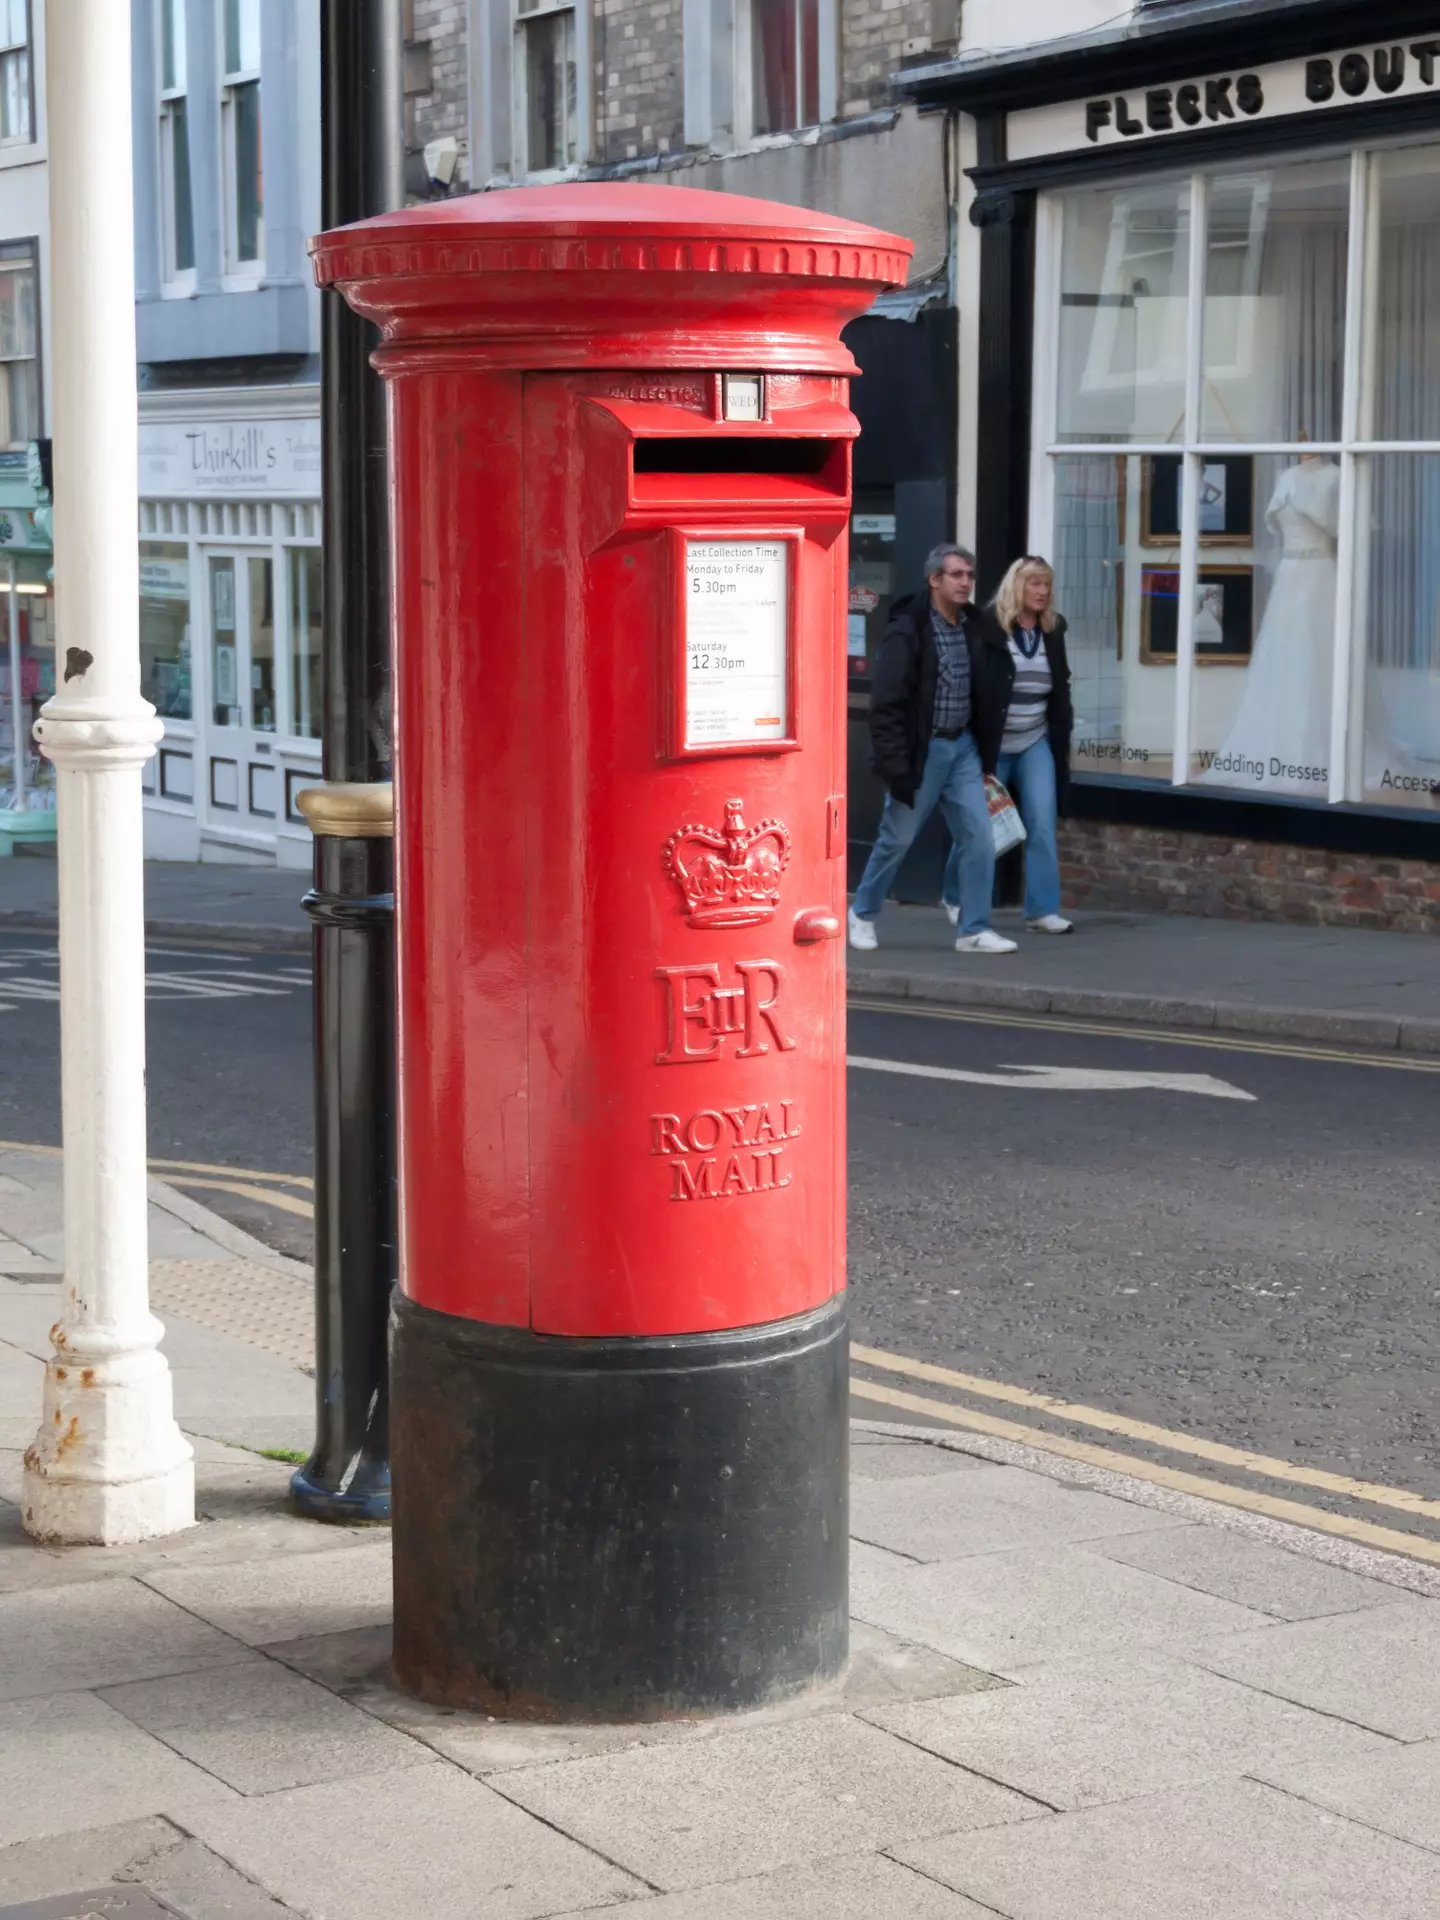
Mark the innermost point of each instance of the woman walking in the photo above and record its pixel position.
(1022, 656)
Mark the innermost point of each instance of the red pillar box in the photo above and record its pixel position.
(621, 488)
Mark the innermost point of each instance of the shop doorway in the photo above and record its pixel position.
(243, 783)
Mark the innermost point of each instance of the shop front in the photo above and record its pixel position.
(230, 621)
(1209, 251)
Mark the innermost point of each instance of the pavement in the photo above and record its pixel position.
(1305, 983)
(1379, 990)
(1072, 1694)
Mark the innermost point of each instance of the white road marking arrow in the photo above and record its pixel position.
(1064, 1079)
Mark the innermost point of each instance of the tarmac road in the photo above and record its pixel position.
(1258, 1272)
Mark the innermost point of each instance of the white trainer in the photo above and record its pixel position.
(987, 942)
(952, 914)
(1050, 923)
(863, 936)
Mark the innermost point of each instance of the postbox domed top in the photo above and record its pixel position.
(612, 273)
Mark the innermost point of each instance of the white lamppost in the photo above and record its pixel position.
(109, 1463)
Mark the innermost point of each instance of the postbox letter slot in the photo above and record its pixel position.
(732, 453)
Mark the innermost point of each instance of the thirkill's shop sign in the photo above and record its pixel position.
(1337, 79)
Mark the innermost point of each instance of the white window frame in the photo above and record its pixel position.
(23, 48)
(520, 116)
(239, 275)
(1346, 777)
(176, 282)
(15, 250)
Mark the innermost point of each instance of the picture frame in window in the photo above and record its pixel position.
(1227, 500)
(1225, 617)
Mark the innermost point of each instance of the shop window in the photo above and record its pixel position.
(1123, 715)
(241, 141)
(262, 644)
(19, 346)
(165, 674)
(872, 577)
(305, 587)
(35, 642)
(177, 216)
(1274, 324)
(17, 118)
(1123, 304)
(224, 644)
(1397, 605)
(1401, 398)
(1253, 584)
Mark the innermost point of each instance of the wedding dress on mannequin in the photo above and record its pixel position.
(1284, 712)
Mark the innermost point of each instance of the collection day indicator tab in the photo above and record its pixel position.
(737, 605)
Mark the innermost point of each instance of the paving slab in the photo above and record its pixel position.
(97, 1633)
(864, 1887)
(1090, 1732)
(67, 1760)
(447, 1847)
(755, 1800)
(947, 1516)
(1378, 1669)
(879, 1459)
(153, 1852)
(1397, 1792)
(291, 1598)
(260, 1727)
(1233, 1566)
(1007, 1611)
(1234, 1851)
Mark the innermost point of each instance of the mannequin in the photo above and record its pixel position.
(1284, 712)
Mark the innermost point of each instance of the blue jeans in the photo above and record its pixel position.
(954, 783)
(1030, 776)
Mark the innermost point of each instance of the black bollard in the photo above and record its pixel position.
(352, 903)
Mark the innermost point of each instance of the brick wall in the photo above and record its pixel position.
(873, 34)
(445, 107)
(1147, 870)
(639, 81)
(637, 72)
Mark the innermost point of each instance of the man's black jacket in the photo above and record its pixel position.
(902, 695)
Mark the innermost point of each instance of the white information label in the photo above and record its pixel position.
(736, 631)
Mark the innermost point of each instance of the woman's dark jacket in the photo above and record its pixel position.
(902, 696)
(996, 668)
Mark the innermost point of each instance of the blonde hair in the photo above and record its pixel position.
(1009, 601)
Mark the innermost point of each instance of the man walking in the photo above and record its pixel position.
(932, 736)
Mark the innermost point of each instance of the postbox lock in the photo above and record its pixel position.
(729, 876)
(814, 925)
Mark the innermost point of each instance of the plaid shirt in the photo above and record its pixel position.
(952, 687)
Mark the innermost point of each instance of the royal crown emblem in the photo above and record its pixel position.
(729, 876)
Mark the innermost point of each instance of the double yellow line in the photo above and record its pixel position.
(1250, 1499)
(199, 1173)
(241, 1180)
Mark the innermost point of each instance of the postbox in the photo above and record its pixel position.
(620, 486)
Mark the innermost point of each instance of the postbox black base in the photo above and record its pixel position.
(618, 1530)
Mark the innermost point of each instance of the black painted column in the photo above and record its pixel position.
(347, 1476)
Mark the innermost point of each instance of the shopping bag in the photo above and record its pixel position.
(1005, 822)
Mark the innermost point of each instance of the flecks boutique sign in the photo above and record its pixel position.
(1351, 77)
